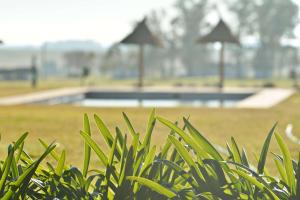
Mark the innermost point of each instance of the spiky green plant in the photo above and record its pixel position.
(187, 166)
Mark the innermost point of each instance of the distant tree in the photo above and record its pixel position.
(173, 44)
(120, 63)
(156, 58)
(246, 17)
(276, 18)
(190, 23)
(79, 61)
(111, 59)
(269, 21)
(245, 21)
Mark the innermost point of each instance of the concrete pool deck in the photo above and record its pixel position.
(266, 98)
(261, 99)
(40, 96)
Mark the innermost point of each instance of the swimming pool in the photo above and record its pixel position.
(151, 99)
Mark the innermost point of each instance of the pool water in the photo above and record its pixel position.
(149, 99)
(154, 103)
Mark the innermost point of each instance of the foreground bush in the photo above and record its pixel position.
(188, 166)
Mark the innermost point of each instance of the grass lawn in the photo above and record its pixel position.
(62, 124)
(23, 87)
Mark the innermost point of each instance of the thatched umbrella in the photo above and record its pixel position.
(141, 35)
(221, 33)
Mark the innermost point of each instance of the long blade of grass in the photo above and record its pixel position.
(245, 158)
(20, 150)
(209, 148)
(264, 151)
(153, 186)
(101, 155)
(104, 130)
(22, 183)
(281, 170)
(150, 127)
(87, 148)
(190, 141)
(129, 125)
(298, 178)
(185, 155)
(255, 182)
(182, 151)
(61, 163)
(6, 169)
(53, 153)
(112, 152)
(20, 141)
(235, 151)
(148, 160)
(288, 164)
(14, 168)
(108, 137)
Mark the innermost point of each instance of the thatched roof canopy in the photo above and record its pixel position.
(141, 34)
(221, 33)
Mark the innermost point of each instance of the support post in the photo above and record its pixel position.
(141, 66)
(33, 72)
(222, 74)
(221, 66)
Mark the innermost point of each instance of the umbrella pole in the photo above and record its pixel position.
(33, 72)
(221, 68)
(141, 66)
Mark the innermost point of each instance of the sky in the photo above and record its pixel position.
(32, 22)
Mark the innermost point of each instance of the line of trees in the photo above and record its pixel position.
(266, 23)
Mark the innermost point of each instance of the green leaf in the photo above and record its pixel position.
(182, 151)
(123, 160)
(179, 171)
(22, 183)
(281, 170)
(245, 158)
(108, 137)
(14, 168)
(185, 155)
(104, 130)
(20, 141)
(129, 125)
(101, 155)
(165, 149)
(235, 151)
(190, 141)
(255, 182)
(298, 178)
(18, 156)
(148, 160)
(264, 151)
(288, 164)
(6, 168)
(127, 169)
(153, 186)
(112, 152)
(53, 153)
(151, 124)
(87, 148)
(207, 146)
(61, 163)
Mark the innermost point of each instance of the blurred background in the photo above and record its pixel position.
(67, 40)
(51, 48)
